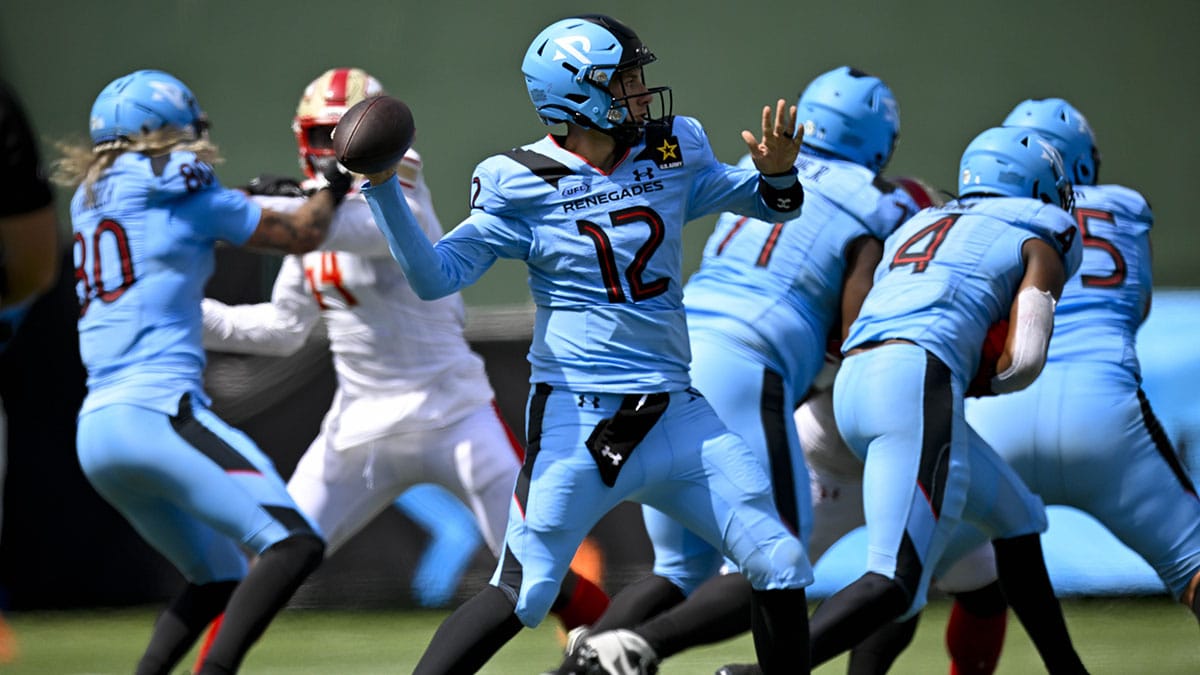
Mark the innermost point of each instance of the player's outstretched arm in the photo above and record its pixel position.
(276, 328)
(298, 232)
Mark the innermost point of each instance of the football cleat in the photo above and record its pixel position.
(575, 639)
(616, 652)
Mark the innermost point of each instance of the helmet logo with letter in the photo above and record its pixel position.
(575, 45)
(1051, 154)
(168, 91)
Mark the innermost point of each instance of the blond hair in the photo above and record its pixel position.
(83, 164)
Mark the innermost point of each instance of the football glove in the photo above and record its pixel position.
(270, 185)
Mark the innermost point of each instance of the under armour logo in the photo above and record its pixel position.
(638, 174)
(583, 401)
(615, 457)
(783, 204)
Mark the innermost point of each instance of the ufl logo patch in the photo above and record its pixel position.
(575, 186)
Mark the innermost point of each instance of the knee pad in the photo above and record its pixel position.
(535, 602)
(783, 565)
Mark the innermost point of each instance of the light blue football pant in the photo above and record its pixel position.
(756, 404)
(900, 409)
(196, 489)
(1083, 435)
(689, 466)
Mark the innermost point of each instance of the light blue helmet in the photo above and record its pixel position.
(569, 66)
(1067, 129)
(852, 115)
(141, 102)
(1014, 162)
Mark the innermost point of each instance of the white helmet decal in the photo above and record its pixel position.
(575, 45)
(169, 92)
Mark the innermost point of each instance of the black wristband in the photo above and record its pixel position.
(783, 200)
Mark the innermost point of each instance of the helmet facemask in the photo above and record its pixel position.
(627, 127)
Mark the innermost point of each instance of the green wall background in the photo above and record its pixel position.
(956, 69)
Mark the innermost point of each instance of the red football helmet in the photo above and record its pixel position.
(921, 192)
(324, 102)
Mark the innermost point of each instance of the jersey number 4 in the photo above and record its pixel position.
(329, 275)
(639, 289)
(108, 242)
(922, 246)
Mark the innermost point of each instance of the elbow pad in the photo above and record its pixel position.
(1035, 324)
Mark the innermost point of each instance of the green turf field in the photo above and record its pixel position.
(1149, 635)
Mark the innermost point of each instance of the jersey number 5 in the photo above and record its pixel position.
(638, 288)
(117, 250)
(1082, 218)
(922, 246)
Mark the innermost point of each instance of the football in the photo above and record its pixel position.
(373, 134)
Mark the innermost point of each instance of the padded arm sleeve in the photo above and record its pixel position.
(1031, 339)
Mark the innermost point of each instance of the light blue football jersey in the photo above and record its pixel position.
(143, 253)
(1103, 305)
(776, 286)
(604, 250)
(952, 271)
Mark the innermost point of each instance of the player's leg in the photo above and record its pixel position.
(715, 608)
(755, 403)
(835, 482)
(288, 546)
(835, 474)
(479, 460)
(898, 407)
(559, 497)
(731, 376)
(181, 479)
(978, 616)
(724, 496)
(1002, 507)
(342, 489)
(1139, 488)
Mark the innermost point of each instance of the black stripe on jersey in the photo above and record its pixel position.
(1163, 443)
(289, 518)
(206, 441)
(908, 566)
(540, 165)
(938, 412)
(773, 410)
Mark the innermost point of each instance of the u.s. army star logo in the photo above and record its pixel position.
(664, 151)
(668, 150)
